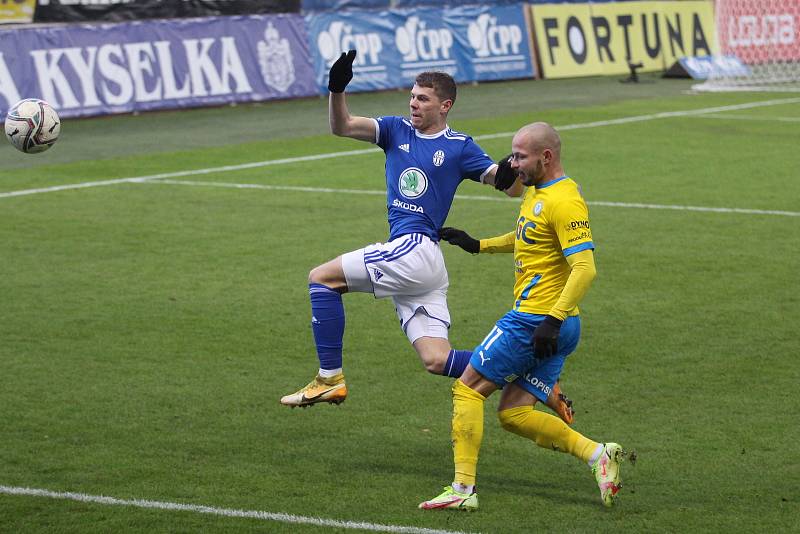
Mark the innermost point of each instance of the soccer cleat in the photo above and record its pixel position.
(450, 499)
(606, 471)
(561, 404)
(332, 390)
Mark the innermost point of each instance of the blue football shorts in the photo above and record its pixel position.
(505, 356)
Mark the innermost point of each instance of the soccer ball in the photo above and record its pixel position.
(32, 125)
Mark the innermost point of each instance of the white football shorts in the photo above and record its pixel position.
(411, 270)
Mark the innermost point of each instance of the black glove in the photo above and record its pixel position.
(454, 236)
(505, 176)
(545, 338)
(341, 72)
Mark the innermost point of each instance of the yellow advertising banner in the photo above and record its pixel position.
(594, 39)
(17, 10)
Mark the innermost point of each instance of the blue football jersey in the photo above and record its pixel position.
(423, 172)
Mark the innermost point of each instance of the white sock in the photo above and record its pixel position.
(464, 488)
(596, 454)
(328, 373)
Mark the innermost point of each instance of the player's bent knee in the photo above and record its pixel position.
(434, 367)
(324, 275)
(509, 422)
(431, 356)
(432, 351)
(317, 275)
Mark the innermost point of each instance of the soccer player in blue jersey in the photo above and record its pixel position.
(525, 351)
(425, 163)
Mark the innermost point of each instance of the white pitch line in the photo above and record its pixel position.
(662, 115)
(227, 512)
(314, 157)
(746, 211)
(375, 192)
(748, 118)
(193, 172)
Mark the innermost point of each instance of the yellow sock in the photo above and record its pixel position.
(547, 431)
(467, 432)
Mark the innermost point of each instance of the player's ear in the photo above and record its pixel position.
(446, 105)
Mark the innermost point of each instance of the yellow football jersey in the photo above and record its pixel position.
(553, 223)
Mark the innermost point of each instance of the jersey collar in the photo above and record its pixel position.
(551, 182)
(431, 136)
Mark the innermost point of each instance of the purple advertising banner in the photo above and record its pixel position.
(122, 10)
(84, 70)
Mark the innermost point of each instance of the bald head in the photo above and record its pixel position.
(540, 135)
(536, 148)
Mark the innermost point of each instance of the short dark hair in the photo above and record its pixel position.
(442, 83)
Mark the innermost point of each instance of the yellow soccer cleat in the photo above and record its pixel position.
(606, 471)
(332, 390)
(451, 499)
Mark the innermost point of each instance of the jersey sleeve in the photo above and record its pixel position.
(385, 130)
(501, 243)
(582, 272)
(474, 161)
(570, 220)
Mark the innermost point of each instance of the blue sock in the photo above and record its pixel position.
(457, 361)
(327, 322)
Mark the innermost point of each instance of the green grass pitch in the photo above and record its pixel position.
(147, 330)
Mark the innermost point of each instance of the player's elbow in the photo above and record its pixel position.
(591, 271)
(338, 130)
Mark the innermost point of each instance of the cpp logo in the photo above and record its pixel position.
(417, 43)
(489, 38)
(339, 37)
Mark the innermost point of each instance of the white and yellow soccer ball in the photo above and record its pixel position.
(32, 125)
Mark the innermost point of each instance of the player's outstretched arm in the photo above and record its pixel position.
(342, 123)
(504, 178)
(460, 238)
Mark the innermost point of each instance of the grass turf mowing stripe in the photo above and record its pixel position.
(314, 157)
(375, 192)
(227, 512)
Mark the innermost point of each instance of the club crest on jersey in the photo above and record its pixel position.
(413, 183)
(537, 208)
(438, 158)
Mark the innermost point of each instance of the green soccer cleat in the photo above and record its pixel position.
(606, 471)
(450, 499)
(332, 390)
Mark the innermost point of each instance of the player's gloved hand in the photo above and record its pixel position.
(341, 72)
(460, 238)
(505, 175)
(545, 338)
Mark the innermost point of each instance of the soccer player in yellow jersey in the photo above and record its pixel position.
(525, 351)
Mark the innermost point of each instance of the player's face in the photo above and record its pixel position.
(529, 163)
(427, 111)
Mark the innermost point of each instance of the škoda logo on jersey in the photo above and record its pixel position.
(413, 183)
